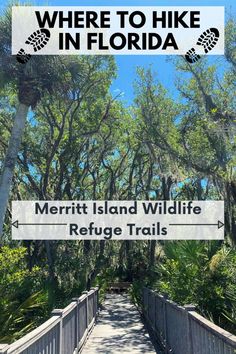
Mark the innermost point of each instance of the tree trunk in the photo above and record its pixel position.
(50, 259)
(129, 272)
(10, 159)
(152, 254)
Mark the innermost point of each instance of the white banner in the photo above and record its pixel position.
(169, 30)
(118, 220)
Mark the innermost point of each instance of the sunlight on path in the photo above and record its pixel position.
(118, 330)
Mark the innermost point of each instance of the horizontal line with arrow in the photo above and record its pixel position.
(16, 224)
(219, 224)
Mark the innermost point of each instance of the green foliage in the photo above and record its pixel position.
(22, 304)
(135, 293)
(203, 274)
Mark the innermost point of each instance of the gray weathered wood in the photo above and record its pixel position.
(186, 330)
(64, 333)
(119, 329)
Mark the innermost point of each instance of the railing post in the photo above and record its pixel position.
(59, 312)
(3, 348)
(87, 310)
(189, 308)
(95, 298)
(149, 304)
(94, 302)
(155, 311)
(165, 296)
(143, 300)
(76, 299)
(147, 294)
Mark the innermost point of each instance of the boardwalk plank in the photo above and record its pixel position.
(118, 330)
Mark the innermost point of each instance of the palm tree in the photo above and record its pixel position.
(31, 80)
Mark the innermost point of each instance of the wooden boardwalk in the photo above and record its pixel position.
(118, 330)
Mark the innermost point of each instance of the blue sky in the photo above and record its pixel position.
(127, 64)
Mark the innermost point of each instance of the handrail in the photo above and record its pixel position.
(226, 336)
(54, 335)
(33, 336)
(182, 330)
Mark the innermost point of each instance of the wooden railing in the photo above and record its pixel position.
(182, 330)
(64, 333)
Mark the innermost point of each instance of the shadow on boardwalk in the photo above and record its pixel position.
(119, 329)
